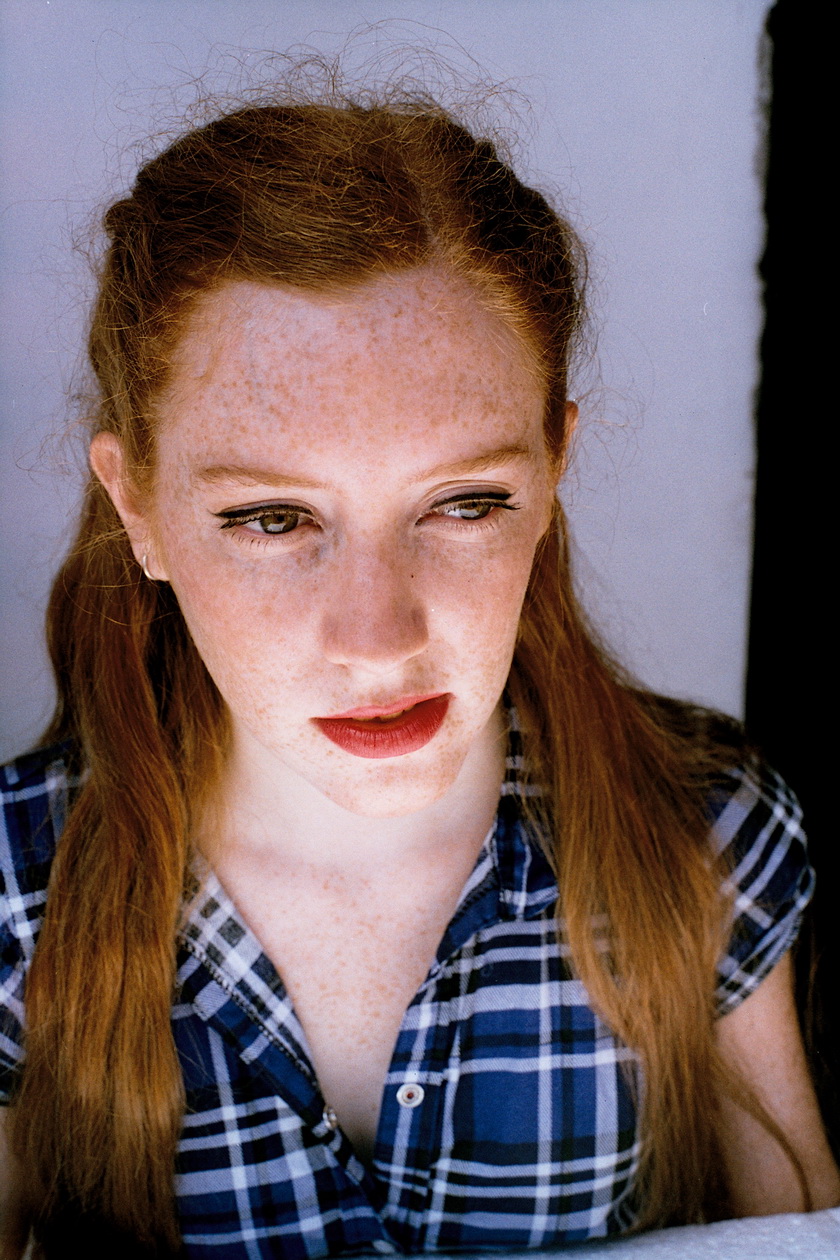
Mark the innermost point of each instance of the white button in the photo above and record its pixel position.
(384, 1247)
(410, 1094)
(329, 1118)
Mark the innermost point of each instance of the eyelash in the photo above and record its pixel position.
(245, 516)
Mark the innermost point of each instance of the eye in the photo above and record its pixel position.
(473, 507)
(269, 521)
(277, 522)
(469, 510)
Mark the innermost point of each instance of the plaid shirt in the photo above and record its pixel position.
(506, 1118)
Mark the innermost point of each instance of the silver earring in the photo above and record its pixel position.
(145, 567)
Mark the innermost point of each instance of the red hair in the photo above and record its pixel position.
(317, 197)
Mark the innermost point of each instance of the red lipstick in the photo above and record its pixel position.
(369, 731)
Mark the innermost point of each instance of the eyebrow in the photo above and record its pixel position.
(250, 475)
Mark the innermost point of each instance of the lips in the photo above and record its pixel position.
(371, 731)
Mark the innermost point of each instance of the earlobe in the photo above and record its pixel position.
(108, 462)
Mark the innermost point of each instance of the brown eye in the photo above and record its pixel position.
(269, 521)
(473, 508)
(470, 510)
(278, 522)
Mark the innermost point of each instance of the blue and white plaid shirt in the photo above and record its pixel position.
(506, 1117)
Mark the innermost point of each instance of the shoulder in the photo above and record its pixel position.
(756, 835)
(35, 792)
(754, 817)
(756, 829)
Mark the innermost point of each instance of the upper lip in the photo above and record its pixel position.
(367, 711)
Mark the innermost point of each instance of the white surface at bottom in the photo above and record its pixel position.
(811, 1236)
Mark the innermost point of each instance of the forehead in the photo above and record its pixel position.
(407, 360)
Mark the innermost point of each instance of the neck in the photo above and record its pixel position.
(270, 812)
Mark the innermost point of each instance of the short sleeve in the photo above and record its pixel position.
(757, 830)
(34, 792)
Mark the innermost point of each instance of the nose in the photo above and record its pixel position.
(375, 615)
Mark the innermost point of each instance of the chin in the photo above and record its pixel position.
(392, 792)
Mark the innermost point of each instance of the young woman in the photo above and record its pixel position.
(356, 902)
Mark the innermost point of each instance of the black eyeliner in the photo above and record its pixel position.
(233, 513)
(498, 497)
(232, 516)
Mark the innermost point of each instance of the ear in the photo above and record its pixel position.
(107, 459)
(572, 417)
(561, 461)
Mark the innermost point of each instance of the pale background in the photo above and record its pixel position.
(642, 115)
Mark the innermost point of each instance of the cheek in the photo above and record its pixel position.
(480, 601)
(253, 630)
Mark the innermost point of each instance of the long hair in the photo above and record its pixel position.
(319, 196)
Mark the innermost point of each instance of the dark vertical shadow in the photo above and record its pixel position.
(793, 633)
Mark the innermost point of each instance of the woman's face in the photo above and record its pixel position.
(348, 495)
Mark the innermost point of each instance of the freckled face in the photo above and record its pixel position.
(349, 492)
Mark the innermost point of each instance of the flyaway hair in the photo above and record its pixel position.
(318, 197)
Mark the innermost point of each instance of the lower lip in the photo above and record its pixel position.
(404, 734)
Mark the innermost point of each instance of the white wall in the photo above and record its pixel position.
(643, 116)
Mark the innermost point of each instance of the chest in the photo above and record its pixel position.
(352, 955)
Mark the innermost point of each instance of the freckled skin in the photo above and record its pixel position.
(363, 392)
(348, 869)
